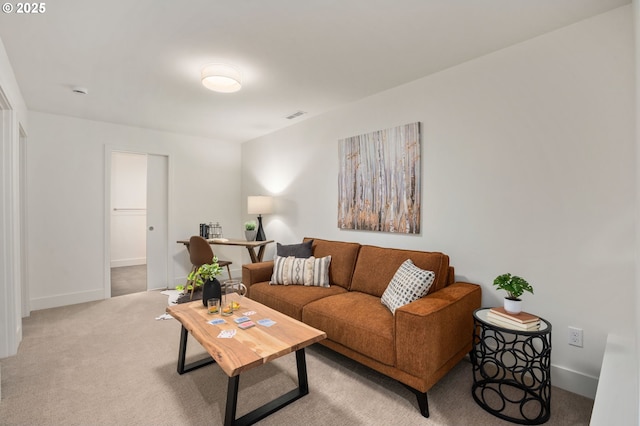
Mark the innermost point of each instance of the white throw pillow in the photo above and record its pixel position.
(319, 271)
(288, 270)
(299, 271)
(408, 284)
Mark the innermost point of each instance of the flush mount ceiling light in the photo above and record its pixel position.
(221, 78)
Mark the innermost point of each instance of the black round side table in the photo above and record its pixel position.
(512, 370)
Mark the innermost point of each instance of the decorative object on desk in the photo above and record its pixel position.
(521, 321)
(250, 230)
(204, 277)
(215, 231)
(204, 230)
(515, 286)
(258, 204)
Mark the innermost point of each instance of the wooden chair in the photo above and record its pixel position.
(200, 253)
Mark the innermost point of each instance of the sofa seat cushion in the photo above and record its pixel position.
(356, 320)
(376, 267)
(290, 299)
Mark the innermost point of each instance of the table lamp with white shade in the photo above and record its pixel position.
(259, 204)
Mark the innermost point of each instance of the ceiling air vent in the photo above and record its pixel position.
(295, 115)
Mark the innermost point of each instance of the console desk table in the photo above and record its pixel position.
(512, 370)
(250, 245)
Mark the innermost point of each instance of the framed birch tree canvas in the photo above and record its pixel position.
(379, 181)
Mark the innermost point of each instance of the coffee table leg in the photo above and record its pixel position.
(303, 381)
(232, 401)
(270, 407)
(182, 352)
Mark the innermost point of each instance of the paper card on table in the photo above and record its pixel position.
(249, 313)
(247, 324)
(266, 322)
(217, 321)
(241, 319)
(227, 334)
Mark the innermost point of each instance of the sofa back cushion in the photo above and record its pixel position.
(343, 259)
(376, 267)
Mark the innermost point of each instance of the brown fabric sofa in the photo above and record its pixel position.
(417, 346)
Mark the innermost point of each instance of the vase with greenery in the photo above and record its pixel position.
(205, 277)
(515, 287)
(250, 230)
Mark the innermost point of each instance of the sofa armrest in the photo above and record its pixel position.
(436, 330)
(253, 273)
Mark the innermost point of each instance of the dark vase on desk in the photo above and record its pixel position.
(211, 289)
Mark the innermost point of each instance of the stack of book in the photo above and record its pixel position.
(522, 321)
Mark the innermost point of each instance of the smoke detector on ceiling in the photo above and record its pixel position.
(79, 90)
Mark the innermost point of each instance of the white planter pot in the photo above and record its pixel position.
(250, 235)
(513, 306)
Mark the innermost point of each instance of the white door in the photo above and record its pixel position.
(157, 221)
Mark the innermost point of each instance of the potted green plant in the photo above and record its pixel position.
(250, 230)
(515, 286)
(204, 277)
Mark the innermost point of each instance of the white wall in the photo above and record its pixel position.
(128, 209)
(636, 15)
(528, 167)
(66, 184)
(13, 116)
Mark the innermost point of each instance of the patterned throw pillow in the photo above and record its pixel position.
(408, 284)
(320, 277)
(291, 270)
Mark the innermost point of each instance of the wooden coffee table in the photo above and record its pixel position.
(247, 349)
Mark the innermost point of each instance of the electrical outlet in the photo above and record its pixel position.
(575, 336)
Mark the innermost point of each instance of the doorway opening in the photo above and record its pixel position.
(128, 223)
(137, 217)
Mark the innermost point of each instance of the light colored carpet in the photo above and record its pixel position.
(128, 279)
(111, 363)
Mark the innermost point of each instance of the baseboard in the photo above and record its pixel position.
(128, 262)
(160, 288)
(66, 299)
(570, 380)
(574, 381)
